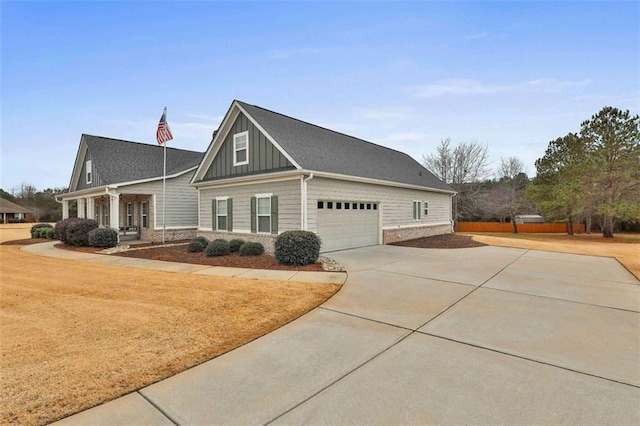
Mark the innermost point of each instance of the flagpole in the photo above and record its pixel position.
(164, 182)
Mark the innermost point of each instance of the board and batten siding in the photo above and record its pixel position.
(181, 198)
(263, 156)
(288, 192)
(396, 204)
(82, 179)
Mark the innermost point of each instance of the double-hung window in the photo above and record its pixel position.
(416, 210)
(264, 214)
(221, 214)
(241, 148)
(129, 215)
(105, 211)
(96, 212)
(425, 208)
(88, 171)
(145, 214)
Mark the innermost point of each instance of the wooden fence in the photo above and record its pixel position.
(526, 228)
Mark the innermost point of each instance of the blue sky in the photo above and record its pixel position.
(511, 75)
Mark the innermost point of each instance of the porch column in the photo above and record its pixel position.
(65, 209)
(90, 207)
(80, 207)
(114, 212)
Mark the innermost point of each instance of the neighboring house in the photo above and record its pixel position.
(119, 184)
(10, 212)
(265, 173)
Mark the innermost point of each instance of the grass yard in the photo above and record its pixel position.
(15, 231)
(74, 335)
(624, 247)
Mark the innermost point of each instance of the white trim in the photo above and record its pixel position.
(235, 231)
(376, 181)
(224, 201)
(77, 165)
(226, 197)
(415, 213)
(425, 208)
(135, 182)
(198, 209)
(88, 172)
(236, 136)
(264, 195)
(250, 180)
(258, 215)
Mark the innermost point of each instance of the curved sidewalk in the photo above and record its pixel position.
(48, 250)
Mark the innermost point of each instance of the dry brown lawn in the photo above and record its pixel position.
(624, 247)
(74, 335)
(14, 231)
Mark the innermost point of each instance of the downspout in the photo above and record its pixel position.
(304, 202)
(452, 220)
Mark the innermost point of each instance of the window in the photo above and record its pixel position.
(221, 215)
(264, 214)
(329, 204)
(129, 214)
(339, 206)
(354, 206)
(375, 207)
(145, 214)
(416, 210)
(105, 212)
(96, 211)
(425, 208)
(241, 148)
(346, 206)
(361, 206)
(88, 171)
(321, 204)
(368, 206)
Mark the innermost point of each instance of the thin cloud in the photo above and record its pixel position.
(469, 87)
(479, 36)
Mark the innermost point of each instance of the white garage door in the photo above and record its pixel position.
(343, 224)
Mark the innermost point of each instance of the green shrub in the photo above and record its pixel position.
(203, 240)
(217, 248)
(39, 226)
(297, 248)
(46, 233)
(251, 249)
(39, 232)
(235, 245)
(17, 220)
(103, 237)
(78, 231)
(196, 246)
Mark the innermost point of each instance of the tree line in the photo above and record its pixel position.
(592, 176)
(43, 204)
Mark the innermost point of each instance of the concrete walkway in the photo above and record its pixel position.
(416, 336)
(48, 250)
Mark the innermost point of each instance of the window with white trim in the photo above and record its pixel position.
(425, 208)
(145, 214)
(96, 211)
(88, 171)
(221, 214)
(129, 214)
(241, 148)
(264, 214)
(416, 210)
(105, 210)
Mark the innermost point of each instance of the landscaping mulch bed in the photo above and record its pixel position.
(180, 254)
(447, 241)
(25, 242)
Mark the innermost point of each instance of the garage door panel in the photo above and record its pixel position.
(341, 229)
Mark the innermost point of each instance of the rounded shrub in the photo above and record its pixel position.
(203, 240)
(251, 249)
(39, 226)
(60, 230)
(103, 237)
(235, 244)
(196, 246)
(297, 248)
(46, 233)
(217, 248)
(78, 231)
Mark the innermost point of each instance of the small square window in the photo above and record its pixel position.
(426, 208)
(361, 206)
(329, 204)
(339, 206)
(368, 206)
(354, 206)
(375, 207)
(346, 206)
(321, 204)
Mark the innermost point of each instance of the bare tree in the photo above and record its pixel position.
(464, 167)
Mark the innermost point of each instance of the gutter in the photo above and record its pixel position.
(304, 202)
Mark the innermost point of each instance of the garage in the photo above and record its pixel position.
(347, 224)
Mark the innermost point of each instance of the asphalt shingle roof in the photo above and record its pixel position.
(117, 161)
(318, 149)
(7, 206)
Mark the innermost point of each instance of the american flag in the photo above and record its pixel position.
(163, 134)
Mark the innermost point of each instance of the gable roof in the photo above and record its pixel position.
(118, 161)
(316, 148)
(7, 206)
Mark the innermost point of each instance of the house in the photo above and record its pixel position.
(11, 212)
(120, 185)
(264, 173)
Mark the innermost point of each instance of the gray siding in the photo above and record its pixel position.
(182, 200)
(82, 180)
(396, 204)
(263, 156)
(288, 193)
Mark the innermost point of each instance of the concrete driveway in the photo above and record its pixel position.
(482, 335)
